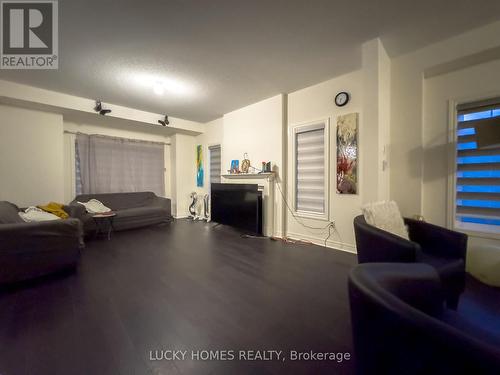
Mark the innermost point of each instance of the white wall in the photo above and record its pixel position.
(31, 156)
(369, 89)
(213, 135)
(474, 83)
(316, 103)
(465, 67)
(33, 143)
(37, 156)
(407, 107)
(262, 130)
(46, 100)
(374, 135)
(258, 131)
(183, 161)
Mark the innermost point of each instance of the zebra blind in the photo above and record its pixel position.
(310, 170)
(477, 196)
(215, 163)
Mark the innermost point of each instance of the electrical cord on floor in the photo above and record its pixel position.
(293, 214)
(329, 234)
(254, 237)
(332, 226)
(329, 226)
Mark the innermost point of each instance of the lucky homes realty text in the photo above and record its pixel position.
(246, 355)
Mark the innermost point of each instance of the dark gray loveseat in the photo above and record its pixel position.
(30, 250)
(133, 210)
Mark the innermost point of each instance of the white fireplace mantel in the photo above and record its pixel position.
(241, 176)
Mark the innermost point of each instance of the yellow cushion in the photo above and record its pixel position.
(56, 209)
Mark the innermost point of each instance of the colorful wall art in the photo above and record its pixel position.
(199, 166)
(347, 154)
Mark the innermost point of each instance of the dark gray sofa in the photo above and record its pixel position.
(133, 210)
(30, 250)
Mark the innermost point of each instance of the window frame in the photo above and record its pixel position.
(452, 167)
(300, 128)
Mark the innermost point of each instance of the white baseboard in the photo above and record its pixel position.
(337, 245)
(181, 217)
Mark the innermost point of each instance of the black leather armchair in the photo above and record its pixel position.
(400, 325)
(439, 247)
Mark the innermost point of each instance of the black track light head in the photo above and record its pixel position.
(164, 122)
(98, 108)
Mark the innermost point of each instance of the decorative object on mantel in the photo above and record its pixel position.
(245, 163)
(266, 167)
(199, 166)
(235, 167)
(347, 154)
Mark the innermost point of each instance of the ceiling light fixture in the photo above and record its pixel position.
(162, 85)
(158, 88)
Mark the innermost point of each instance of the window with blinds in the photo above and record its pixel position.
(310, 169)
(477, 196)
(215, 163)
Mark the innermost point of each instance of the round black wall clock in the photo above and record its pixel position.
(342, 98)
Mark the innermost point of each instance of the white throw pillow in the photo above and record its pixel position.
(94, 206)
(34, 214)
(386, 216)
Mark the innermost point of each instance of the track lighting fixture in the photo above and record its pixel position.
(164, 122)
(98, 108)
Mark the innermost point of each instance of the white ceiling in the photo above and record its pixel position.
(221, 55)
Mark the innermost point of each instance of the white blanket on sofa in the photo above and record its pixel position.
(33, 214)
(94, 206)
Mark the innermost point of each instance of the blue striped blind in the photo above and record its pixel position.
(477, 195)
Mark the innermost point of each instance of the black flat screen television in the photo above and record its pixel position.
(237, 205)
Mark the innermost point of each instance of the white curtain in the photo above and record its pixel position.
(111, 165)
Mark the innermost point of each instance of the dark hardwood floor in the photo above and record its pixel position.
(189, 286)
(186, 286)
